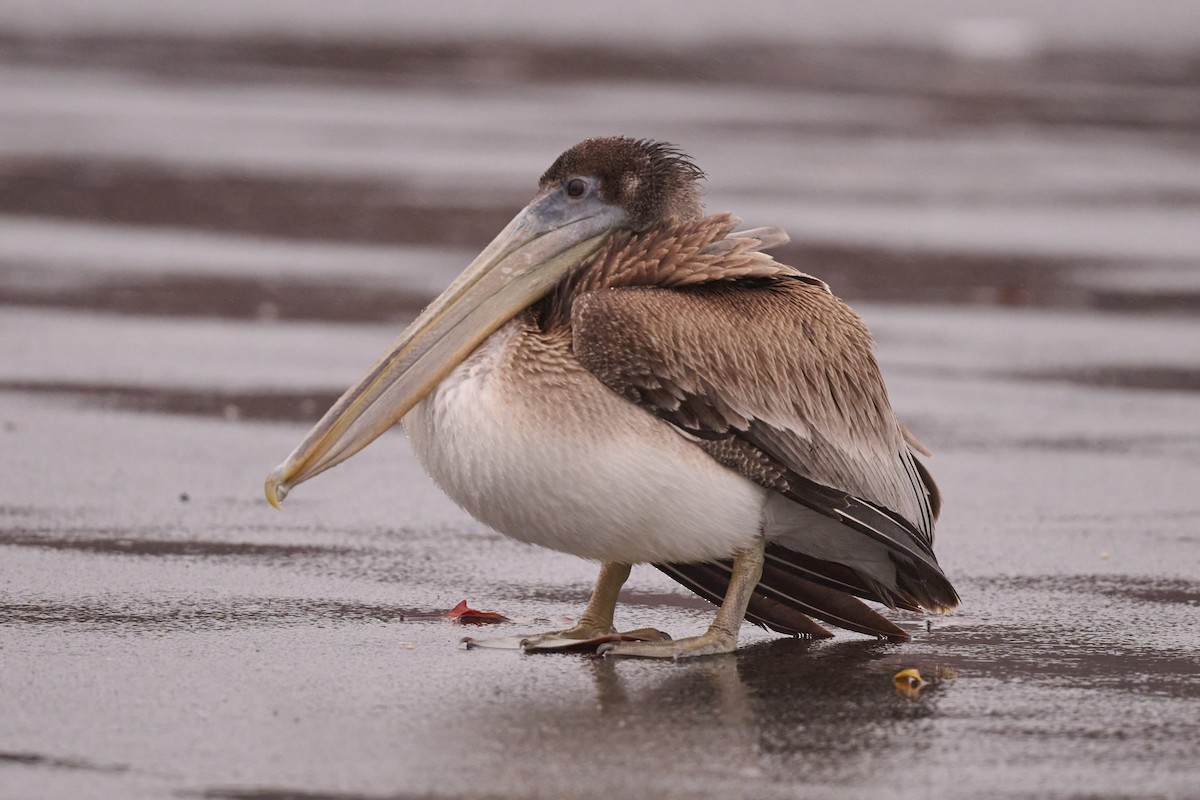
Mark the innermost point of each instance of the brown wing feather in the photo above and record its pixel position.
(779, 362)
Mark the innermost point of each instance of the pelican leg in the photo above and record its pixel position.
(595, 627)
(597, 620)
(721, 636)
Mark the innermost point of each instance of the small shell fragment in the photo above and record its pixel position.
(909, 682)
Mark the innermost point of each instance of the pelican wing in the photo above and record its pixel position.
(775, 378)
(781, 364)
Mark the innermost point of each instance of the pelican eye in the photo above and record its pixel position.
(576, 187)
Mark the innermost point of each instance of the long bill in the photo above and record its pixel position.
(543, 243)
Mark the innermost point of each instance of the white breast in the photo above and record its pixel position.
(548, 455)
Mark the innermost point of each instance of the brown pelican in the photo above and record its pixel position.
(621, 377)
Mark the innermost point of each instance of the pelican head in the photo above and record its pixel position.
(593, 190)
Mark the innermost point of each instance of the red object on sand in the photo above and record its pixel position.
(463, 613)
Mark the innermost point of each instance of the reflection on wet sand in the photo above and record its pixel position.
(776, 716)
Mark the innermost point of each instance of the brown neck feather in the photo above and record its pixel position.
(673, 254)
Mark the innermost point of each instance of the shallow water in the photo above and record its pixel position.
(204, 239)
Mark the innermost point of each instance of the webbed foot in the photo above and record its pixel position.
(713, 642)
(580, 638)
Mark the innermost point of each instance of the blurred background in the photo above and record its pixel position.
(214, 216)
(338, 162)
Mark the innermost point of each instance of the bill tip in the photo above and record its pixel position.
(275, 489)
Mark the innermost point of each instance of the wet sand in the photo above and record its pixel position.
(204, 239)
